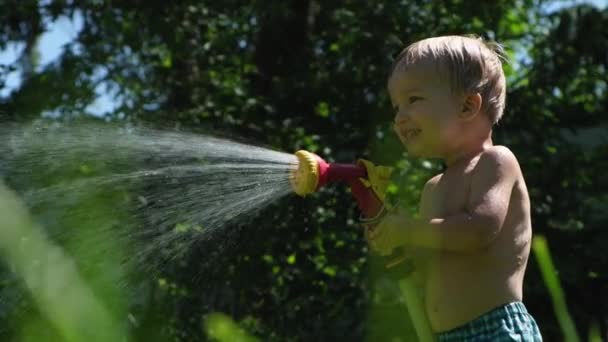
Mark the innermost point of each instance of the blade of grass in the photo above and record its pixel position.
(594, 332)
(416, 310)
(52, 277)
(549, 274)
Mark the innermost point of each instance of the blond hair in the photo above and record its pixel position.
(472, 64)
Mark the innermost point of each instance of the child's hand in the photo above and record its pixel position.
(390, 233)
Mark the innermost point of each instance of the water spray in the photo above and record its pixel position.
(180, 200)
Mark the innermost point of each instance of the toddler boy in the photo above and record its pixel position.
(447, 93)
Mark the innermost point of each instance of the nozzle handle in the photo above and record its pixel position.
(333, 172)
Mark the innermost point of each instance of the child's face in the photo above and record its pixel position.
(426, 110)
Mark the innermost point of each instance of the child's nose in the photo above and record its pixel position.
(401, 118)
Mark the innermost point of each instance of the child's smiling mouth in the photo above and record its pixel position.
(408, 134)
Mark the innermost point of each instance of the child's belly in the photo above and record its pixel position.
(460, 288)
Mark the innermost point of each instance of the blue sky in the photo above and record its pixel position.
(65, 29)
(50, 47)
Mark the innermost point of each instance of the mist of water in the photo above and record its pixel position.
(155, 193)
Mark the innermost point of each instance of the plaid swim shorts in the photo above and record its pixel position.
(510, 322)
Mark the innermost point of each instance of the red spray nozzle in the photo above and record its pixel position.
(313, 173)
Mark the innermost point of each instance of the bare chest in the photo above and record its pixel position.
(451, 193)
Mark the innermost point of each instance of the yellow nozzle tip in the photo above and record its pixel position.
(305, 177)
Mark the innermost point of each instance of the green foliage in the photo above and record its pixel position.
(312, 75)
(223, 329)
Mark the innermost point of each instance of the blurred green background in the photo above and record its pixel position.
(288, 75)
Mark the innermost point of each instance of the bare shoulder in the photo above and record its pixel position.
(432, 183)
(499, 159)
(425, 198)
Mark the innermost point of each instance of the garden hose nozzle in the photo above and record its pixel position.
(367, 182)
(312, 173)
(305, 177)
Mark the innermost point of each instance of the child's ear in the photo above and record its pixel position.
(471, 106)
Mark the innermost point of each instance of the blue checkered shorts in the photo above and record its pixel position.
(510, 322)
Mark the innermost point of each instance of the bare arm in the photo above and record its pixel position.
(483, 217)
(420, 253)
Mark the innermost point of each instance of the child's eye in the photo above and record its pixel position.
(413, 99)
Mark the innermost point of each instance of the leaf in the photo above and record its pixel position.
(323, 109)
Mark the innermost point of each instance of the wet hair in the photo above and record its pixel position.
(471, 64)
